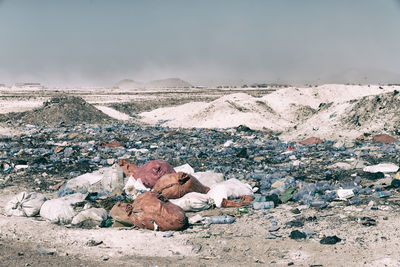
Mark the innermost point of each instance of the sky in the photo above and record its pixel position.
(208, 42)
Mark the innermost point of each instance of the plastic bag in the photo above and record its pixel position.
(209, 178)
(231, 188)
(186, 168)
(134, 187)
(193, 202)
(382, 167)
(60, 210)
(25, 204)
(90, 218)
(104, 179)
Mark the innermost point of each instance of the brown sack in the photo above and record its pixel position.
(121, 213)
(150, 209)
(128, 168)
(383, 138)
(311, 141)
(113, 144)
(176, 185)
(244, 200)
(150, 172)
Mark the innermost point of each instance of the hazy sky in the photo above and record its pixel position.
(82, 42)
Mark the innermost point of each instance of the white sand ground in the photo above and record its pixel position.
(7, 106)
(278, 111)
(295, 112)
(114, 113)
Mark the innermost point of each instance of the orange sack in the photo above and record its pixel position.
(128, 168)
(176, 185)
(121, 213)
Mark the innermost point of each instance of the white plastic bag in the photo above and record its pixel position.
(90, 218)
(209, 178)
(186, 168)
(382, 167)
(231, 188)
(25, 204)
(193, 202)
(133, 187)
(109, 178)
(60, 210)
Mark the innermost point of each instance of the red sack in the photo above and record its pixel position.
(150, 209)
(176, 185)
(128, 168)
(150, 172)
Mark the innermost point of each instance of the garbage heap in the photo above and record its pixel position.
(234, 168)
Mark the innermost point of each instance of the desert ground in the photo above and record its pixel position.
(336, 113)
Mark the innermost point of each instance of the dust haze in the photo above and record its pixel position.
(86, 43)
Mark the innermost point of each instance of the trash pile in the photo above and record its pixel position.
(67, 110)
(123, 174)
(153, 196)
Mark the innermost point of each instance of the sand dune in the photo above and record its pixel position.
(296, 112)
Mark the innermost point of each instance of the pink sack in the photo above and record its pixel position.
(150, 172)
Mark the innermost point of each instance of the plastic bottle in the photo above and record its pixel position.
(220, 220)
(263, 205)
(382, 194)
(318, 204)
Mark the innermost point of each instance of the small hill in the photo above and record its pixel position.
(68, 110)
(168, 83)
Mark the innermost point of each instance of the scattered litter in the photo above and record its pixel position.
(382, 167)
(43, 250)
(220, 220)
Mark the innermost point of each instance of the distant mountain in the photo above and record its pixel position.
(128, 84)
(168, 83)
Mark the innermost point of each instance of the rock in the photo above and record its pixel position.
(243, 128)
(395, 183)
(373, 175)
(296, 223)
(367, 221)
(242, 153)
(93, 243)
(169, 234)
(274, 228)
(296, 234)
(330, 240)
